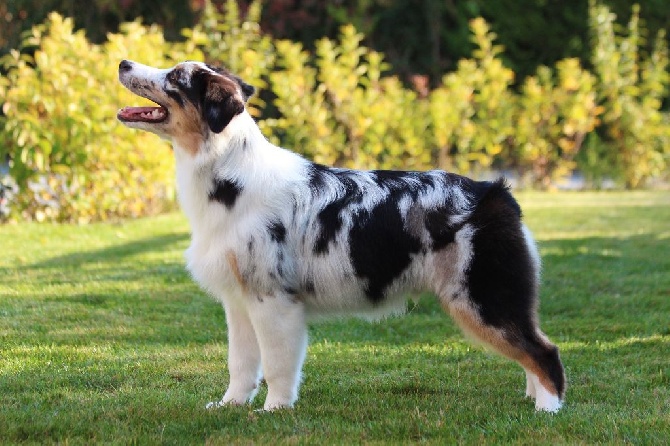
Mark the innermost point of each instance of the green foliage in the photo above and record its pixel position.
(631, 89)
(343, 111)
(552, 121)
(337, 105)
(479, 121)
(305, 123)
(59, 115)
(473, 133)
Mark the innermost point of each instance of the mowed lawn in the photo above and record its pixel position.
(104, 338)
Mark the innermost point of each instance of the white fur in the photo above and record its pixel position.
(545, 401)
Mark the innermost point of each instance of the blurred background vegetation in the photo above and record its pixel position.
(536, 89)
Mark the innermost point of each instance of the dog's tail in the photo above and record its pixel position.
(493, 201)
(503, 283)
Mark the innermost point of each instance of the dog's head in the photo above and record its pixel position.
(193, 100)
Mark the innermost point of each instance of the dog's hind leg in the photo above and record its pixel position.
(244, 358)
(545, 381)
(281, 330)
(493, 291)
(497, 304)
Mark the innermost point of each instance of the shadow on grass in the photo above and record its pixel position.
(113, 253)
(115, 263)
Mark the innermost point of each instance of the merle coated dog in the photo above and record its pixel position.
(279, 239)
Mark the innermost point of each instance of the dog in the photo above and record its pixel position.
(280, 240)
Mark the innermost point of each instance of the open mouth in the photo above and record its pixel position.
(143, 114)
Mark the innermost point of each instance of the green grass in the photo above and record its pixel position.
(104, 338)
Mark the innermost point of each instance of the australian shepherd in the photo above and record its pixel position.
(278, 239)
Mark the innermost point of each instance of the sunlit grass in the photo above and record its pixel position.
(105, 338)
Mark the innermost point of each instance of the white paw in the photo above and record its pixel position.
(552, 406)
(214, 405)
(224, 402)
(545, 400)
(271, 406)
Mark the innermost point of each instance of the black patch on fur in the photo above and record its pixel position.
(175, 96)
(437, 224)
(317, 174)
(501, 276)
(406, 182)
(277, 231)
(225, 192)
(290, 290)
(380, 247)
(391, 179)
(330, 217)
(309, 286)
(550, 361)
(195, 92)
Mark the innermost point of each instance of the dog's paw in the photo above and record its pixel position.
(271, 406)
(214, 405)
(548, 403)
(223, 403)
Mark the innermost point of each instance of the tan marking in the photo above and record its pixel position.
(235, 268)
(472, 325)
(187, 127)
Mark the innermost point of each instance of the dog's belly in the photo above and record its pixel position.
(351, 300)
(331, 288)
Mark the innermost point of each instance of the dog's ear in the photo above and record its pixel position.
(220, 104)
(247, 90)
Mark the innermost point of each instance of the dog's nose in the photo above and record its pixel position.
(125, 66)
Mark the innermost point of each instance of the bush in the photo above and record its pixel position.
(634, 142)
(73, 162)
(555, 113)
(472, 113)
(342, 111)
(69, 156)
(479, 121)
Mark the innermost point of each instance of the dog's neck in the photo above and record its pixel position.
(239, 154)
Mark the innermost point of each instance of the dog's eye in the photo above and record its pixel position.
(174, 77)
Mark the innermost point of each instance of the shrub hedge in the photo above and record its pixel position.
(73, 162)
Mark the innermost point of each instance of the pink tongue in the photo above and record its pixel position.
(142, 113)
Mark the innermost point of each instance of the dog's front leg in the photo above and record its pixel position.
(281, 330)
(244, 358)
